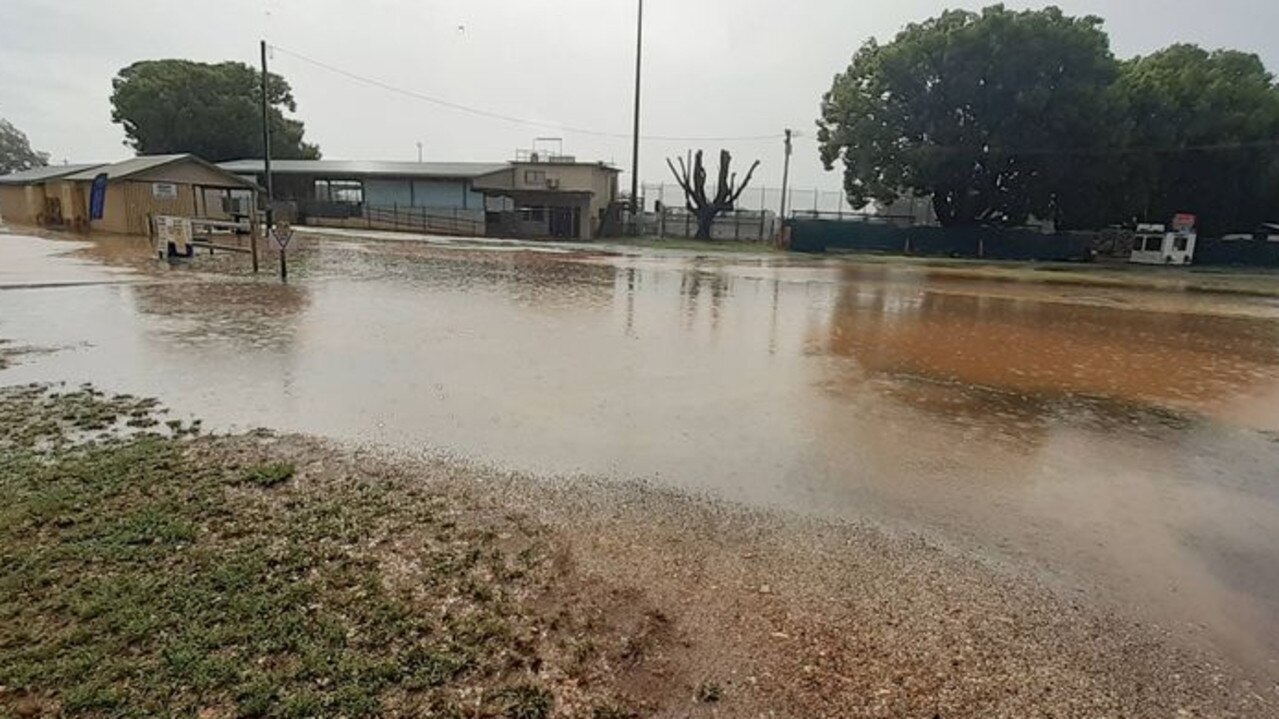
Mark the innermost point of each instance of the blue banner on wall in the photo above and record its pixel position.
(98, 197)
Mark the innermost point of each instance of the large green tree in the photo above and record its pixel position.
(983, 112)
(211, 110)
(1202, 129)
(15, 150)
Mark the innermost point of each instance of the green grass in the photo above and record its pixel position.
(270, 475)
(143, 578)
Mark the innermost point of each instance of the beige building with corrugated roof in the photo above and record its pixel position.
(137, 189)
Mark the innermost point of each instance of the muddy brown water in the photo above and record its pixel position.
(1120, 444)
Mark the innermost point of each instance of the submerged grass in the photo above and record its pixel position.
(140, 578)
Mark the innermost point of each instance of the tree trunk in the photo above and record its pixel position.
(705, 219)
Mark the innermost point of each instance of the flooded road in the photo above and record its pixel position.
(1119, 444)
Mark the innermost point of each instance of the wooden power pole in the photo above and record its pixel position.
(266, 145)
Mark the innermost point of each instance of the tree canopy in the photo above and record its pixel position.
(15, 150)
(1202, 130)
(211, 110)
(1002, 115)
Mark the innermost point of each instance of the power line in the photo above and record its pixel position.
(508, 118)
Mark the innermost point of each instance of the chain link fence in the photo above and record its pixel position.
(757, 198)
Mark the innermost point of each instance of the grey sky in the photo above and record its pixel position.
(713, 68)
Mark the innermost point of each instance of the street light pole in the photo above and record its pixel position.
(781, 215)
(639, 50)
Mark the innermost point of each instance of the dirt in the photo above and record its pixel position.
(702, 608)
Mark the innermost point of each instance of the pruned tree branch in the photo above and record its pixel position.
(692, 180)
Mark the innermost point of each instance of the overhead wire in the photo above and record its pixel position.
(441, 102)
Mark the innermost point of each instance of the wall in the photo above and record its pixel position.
(446, 193)
(131, 204)
(21, 204)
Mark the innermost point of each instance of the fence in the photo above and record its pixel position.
(733, 226)
(756, 198)
(1255, 252)
(875, 235)
(442, 221)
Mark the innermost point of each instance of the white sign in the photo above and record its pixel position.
(164, 190)
(172, 232)
(281, 234)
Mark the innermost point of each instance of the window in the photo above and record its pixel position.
(533, 214)
(1154, 243)
(349, 191)
(535, 177)
(1179, 243)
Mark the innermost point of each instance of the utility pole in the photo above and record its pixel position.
(781, 215)
(639, 51)
(266, 146)
(419, 152)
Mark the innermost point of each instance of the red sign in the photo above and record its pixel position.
(1184, 222)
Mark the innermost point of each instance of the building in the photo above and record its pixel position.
(427, 196)
(136, 190)
(37, 196)
(552, 196)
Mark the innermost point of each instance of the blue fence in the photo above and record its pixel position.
(1257, 252)
(817, 235)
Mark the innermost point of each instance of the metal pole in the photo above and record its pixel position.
(639, 48)
(781, 215)
(266, 146)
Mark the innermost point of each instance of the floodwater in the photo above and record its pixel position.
(1121, 444)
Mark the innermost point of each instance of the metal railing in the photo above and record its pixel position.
(427, 220)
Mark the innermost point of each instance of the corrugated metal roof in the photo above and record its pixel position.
(130, 166)
(44, 174)
(366, 168)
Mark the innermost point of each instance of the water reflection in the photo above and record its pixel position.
(251, 315)
(1194, 362)
(1103, 437)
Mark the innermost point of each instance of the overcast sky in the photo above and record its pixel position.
(712, 68)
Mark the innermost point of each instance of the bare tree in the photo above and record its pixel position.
(693, 182)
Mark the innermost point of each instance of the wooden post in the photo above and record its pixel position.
(254, 229)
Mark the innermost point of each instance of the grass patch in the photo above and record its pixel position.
(140, 579)
(270, 475)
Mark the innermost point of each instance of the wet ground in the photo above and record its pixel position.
(1121, 444)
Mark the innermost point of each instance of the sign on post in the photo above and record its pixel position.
(281, 235)
(173, 236)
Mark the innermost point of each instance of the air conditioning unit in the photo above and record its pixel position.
(236, 205)
(552, 183)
